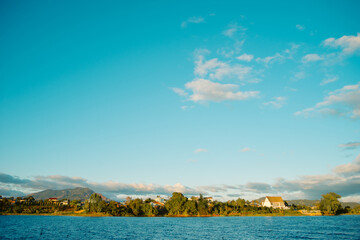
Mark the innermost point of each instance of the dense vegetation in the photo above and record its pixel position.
(177, 205)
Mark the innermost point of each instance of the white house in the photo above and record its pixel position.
(274, 202)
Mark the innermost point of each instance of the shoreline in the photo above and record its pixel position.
(175, 216)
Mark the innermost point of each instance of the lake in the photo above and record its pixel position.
(64, 227)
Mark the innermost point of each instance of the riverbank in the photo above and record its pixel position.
(169, 216)
(82, 213)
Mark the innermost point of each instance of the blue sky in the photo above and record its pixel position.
(227, 99)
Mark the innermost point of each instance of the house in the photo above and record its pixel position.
(274, 202)
(209, 199)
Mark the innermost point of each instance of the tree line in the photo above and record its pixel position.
(177, 205)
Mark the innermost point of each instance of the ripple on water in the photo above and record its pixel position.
(56, 227)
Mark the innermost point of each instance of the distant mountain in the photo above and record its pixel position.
(350, 204)
(303, 202)
(70, 194)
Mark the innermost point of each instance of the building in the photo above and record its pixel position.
(274, 202)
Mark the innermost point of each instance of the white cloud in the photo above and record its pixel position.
(278, 102)
(277, 57)
(329, 80)
(233, 28)
(344, 102)
(245, 57)
(311, 58)
(352, 198)
(280, 57)
(300, 27)
(352, 168)
(179, 91)
(344, 180)
(235, 71)
(348, 44)
(202, 67)
(206, 90)
(192, 20)
(218, 70)
(109, 189)
(200, 150)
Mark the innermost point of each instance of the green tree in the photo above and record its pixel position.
(203, 206)
(190, 208)
(136, 207)
(148, 209)
(330, 204)
(175, 205)
(96, 204)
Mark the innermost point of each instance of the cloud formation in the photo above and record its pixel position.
(352, 168)
(329, 80)
(278, 102)
(195, 20)
(180, 92)
(206, 90)
(233, 28)
(311, 58)
(344, 179)
(277, 57)
(110, 189)
(218, 70)
(342, 102)
(245, 57)
(348, 44)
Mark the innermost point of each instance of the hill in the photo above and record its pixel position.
(350, 204)
(70, 194)
(303, 202)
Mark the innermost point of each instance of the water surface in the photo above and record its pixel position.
(61, 227)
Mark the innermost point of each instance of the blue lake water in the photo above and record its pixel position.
(60, 227)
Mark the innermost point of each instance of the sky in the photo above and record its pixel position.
(229, 99)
